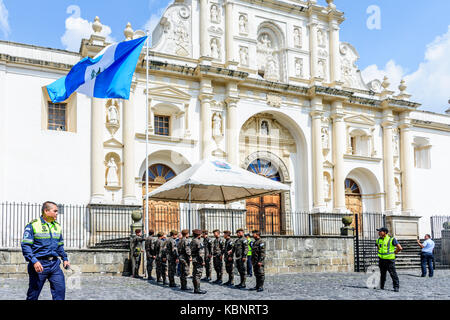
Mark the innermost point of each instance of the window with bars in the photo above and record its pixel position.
(162, 127)
(57, 116)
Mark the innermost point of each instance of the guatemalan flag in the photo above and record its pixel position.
(108, 75)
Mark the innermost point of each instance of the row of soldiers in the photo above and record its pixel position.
(170, 252)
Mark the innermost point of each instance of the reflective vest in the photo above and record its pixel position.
(47, 230)
(249, 241)
(386, 250)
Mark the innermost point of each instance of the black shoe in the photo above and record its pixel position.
(381, 288)
(239, 286)
(253, 289)
(206, 279)
(150, 278)
(260, 290)
(396, 290)
(173, 285)
(218, 281)
(200, 291)
(185, 289)
(431, 276)
(423, 276)
(227, 283)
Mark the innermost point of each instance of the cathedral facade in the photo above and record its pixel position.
(266, 85)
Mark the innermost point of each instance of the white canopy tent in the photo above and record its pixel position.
(215, 181)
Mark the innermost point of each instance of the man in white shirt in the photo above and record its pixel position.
(427, 255)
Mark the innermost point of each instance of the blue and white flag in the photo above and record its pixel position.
(108, 75)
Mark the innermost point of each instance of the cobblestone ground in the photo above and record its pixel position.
(309, 286)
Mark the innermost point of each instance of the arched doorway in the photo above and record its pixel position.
(163, 216)
(353, 200)
(264, 213)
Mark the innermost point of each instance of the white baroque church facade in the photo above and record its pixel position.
(267, 85)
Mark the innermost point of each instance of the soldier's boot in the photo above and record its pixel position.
(257, 285)
(164, 279)
(184, 286)
(197, 289)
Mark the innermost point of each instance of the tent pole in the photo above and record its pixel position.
(146, 141)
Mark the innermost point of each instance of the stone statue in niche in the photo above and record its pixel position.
(215, 48)
(113, 115)
(243, 24)
(264, 128)
(264, 43)
(243, 53)
(271, 69)
(112, 177)
(321, 38)
(326, 186)
(299, 68)
(321, 68)
(325, 138)
(215, 17)
(217, 125)
(297, 37)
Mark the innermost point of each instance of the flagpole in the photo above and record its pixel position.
(146, 140)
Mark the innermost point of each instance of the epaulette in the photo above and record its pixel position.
(31, 222)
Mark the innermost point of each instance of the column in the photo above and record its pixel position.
(151, 118)
(232, 131)
(313, 47)
(388, 160)
(229, 31)
(335, 60)
(317, 156)
(206, 125)
(128, 132)
(97, 161)
(339, 145)
(204, 19)
(187, 130)
(407, 163)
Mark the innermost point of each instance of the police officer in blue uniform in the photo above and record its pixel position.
(42, 244)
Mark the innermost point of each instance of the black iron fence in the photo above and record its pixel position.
(87, 226)
(440, 233)
(83, 226)
(365, 251)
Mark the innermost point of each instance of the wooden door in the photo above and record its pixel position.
(264, 214)
(163, 215)
(353, 202)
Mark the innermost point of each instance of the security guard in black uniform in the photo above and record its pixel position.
(217, 252)
(198, 253)
(258, 256)
(240, 250)
(184, 256)
(136, 250)
(208, 255)
(228, 257)
(150, 252)
(172, 255)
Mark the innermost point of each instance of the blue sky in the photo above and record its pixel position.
(405, 47)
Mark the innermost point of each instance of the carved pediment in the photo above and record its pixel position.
(169, 92)
(113, 143)
(360, 119)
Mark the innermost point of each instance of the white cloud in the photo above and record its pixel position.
(78, 28)
(430, 83)
(4, 22)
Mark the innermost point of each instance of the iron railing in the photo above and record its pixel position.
(87, 226)
(440, 233)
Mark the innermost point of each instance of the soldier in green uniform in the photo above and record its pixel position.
(161, 258)
(207, 242)
(198, 252)
(136, 249)
(172, 256)
(217, 253)
(240, 251)
(150, 252)
(258, 256)
(184, 256)
(228, 257)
